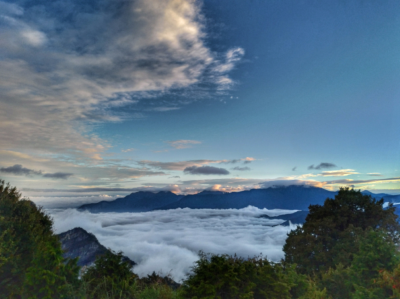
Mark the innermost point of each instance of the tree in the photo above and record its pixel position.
(230, 277)
(110, 277)
(332, 232)
(31, 262)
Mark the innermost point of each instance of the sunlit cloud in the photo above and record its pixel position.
(341, 172)
(64, 69)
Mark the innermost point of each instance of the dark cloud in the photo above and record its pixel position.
(294, 168)
(241, 168)
(234, 161)
(247, 162)
(206, 170)
(58, 175)
(175, 177)
(323, 165)
(18, 169)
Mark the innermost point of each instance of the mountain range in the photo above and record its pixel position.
(288, 197)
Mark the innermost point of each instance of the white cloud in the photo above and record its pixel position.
(84, 60)
(169, 241)
(341, 172)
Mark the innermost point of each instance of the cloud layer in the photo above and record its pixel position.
(169, 241)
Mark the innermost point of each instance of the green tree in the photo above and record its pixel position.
(230, 277)
(331, 233)
(110, 277)
(31, 263)
(376, 253)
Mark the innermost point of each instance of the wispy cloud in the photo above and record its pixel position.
(205, 170)
(341, 172)
(181, 144)
(374, 174)
(241, 168)
(18, 169)
(323, 165)
(64, 68)
(181, 165)
(58, 175)
(127, 150)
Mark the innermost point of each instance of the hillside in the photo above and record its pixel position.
(78, 242)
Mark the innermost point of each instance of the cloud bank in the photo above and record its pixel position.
(169, 241)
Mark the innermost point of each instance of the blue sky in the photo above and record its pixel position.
(108, 97)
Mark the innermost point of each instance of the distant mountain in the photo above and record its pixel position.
(298, 217)
(283, 197)
(141, 201)
(79, 243)
(290, 197)
(386, 197)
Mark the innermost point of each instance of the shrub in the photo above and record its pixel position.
(230, 277)
(31, 262)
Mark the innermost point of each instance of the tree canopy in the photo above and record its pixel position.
(332, 232)
(31, 262)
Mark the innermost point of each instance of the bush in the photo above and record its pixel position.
(31, 262)
(223, 276)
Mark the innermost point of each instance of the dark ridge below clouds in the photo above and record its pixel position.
(206, 170)
(323, 165)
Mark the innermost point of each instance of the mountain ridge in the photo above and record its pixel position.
(293, 197)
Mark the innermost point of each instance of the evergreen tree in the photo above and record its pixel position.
(230, 277)
(31, 263)
(332, 232)
(110, 277)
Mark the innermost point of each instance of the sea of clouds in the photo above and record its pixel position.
(168, 242)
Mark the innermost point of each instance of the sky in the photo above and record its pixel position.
(99, 99)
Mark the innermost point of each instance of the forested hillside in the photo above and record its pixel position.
(347, 248)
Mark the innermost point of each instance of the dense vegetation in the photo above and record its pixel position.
(347, 248)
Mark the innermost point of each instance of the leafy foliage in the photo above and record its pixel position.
(223, 276)
(31, 263)
(331, 233)
(109, 274)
